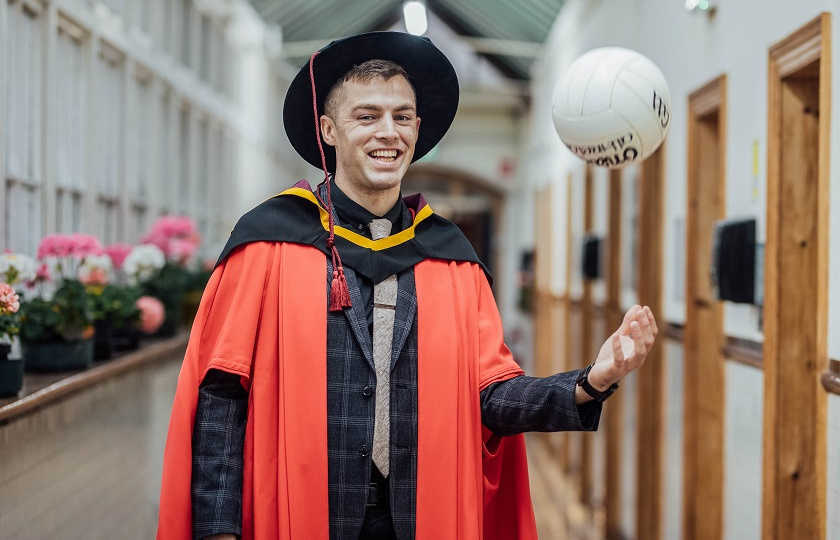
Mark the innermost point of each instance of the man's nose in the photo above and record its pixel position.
(387, 128)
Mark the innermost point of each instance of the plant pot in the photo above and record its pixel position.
(172, 321)
(126, 338)
(58, 355)
(103, 347)
(11, 372)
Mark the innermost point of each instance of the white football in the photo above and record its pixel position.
(612, 107)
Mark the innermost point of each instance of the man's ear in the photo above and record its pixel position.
(327, 130)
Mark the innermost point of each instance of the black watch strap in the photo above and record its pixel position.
(597, 395)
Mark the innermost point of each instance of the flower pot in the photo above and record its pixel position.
(172, 321)
(58, 355)
(11, 372)
(103, 347)
(126, 338)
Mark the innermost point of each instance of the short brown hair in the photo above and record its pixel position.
(365, 72)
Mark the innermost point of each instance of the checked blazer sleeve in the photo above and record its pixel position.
(525, 403)
(218, 440)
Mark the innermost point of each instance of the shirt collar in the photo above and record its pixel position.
(357, 217)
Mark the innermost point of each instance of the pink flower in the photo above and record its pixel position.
(9, 300)
(151, 313)
(181, 250)
(85, 244)
(43, 273)
(55, 245)
(171, 234)
(96, 276)
(118, 253)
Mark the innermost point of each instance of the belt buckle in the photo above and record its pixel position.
(377, 496)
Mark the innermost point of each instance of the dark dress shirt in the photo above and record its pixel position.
(509, 407)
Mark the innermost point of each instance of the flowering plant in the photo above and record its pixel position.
(64, 317)
(95, 270)
(9, 306)
(176, 236)
(118, 254)
(65, 253)
(17, 269)
(113, 303)
(152, 314)
(143, 262)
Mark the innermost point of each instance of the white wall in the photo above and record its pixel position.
(743, 423)
(690, 49)
(142, 109)
(833, 488)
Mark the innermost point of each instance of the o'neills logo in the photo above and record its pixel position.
(618, 151)
(661, 110)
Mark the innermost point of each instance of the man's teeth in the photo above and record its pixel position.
(387, 154)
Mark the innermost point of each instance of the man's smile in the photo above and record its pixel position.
(386, 156)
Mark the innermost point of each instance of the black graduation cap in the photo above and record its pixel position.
(430, 72)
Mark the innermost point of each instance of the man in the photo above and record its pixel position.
(346, 376)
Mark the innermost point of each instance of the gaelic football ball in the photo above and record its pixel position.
(612, 107)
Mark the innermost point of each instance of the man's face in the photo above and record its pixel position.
(374, 131)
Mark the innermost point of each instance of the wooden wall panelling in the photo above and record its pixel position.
(650, 377)
(704, 387)
(586, 334)
(614, 409)
(796, 290)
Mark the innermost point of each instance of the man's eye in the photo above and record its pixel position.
(402, 118)
(366, 117)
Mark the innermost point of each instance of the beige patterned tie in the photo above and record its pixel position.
(384, 305)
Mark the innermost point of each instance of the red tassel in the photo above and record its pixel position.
(339, 294)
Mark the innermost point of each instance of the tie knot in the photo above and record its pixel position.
(380, 228)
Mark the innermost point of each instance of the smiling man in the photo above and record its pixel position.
(346, 376)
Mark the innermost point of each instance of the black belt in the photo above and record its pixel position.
(377, 494)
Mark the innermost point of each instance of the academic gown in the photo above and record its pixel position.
(263, 317)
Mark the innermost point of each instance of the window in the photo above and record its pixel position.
(139, 145)
(70, 126)
(207, 40)
(203, 179)
(24, 92)
(186, 33)
(165, 138)
(184, 158)
(109, 165)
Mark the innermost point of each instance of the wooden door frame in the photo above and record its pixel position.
(568, 349)
(794, 483)
(651, 377)
(704, 424)
(614, 415)
(588, 311)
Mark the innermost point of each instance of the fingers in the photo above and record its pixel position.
(618, 354)
(652, 320)
(640, 345)
(647, 330)
(629, 317)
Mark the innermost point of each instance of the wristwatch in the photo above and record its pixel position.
(583, 382)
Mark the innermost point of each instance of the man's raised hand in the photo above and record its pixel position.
(626, 349)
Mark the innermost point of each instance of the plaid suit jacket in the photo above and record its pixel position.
(351, 379)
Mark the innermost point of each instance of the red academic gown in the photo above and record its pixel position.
(263, 317)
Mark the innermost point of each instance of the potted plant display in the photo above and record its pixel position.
(56, 324)
(11, 369)
(178, 239)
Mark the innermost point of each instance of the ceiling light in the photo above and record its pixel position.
(700, 5)
(415, 18)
